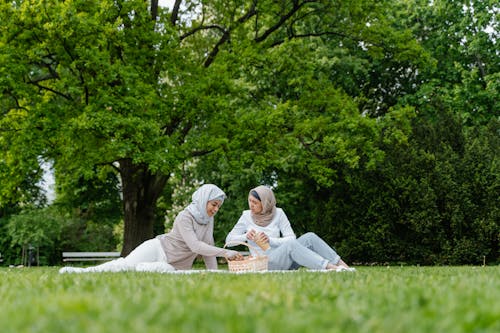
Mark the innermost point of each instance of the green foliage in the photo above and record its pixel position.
(428, 202)
(84, 234)
(94, 85)
(7, 254)
(97, 197)
(438, 299)
(463, 43)
(376, 122)
(20, 171)
(36, 227)
(92, 209)
(52, 230)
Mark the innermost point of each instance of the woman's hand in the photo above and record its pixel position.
(251, 235)
(262, 237)
(234, 255)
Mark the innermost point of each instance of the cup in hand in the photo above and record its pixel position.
(259, 240)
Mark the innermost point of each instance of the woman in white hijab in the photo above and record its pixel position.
(267, 227)
(191, 236)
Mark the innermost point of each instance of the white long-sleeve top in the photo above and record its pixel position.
(278, 231)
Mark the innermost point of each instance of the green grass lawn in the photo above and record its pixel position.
(372, 299)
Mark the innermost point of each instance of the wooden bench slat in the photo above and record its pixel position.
(90, 259)
(90, 254)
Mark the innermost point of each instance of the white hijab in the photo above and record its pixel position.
(198, 205)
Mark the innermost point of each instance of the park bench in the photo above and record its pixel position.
(90, 256)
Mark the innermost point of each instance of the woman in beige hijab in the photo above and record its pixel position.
(266, 226)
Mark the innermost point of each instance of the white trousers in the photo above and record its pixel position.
(147, 257)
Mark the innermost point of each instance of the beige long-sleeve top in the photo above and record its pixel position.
(187, 240)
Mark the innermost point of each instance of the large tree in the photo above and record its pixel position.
(128, 85)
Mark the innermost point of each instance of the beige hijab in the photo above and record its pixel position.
(268, 201)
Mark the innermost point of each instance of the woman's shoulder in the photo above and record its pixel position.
(186, 220)
(184, 216)
(280, 211)
(280, 214)
(245, 216)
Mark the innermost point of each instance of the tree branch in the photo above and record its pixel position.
(197, 153)
(154, 9)
(36, 84)
(175, 12)
(202, 27)
(316, 34)
(251, 12)
(211, 56)
(227, 33)
(296, 6)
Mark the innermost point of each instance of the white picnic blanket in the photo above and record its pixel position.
(167, 269)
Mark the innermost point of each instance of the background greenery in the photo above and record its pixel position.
(376, 122)
(372, 299)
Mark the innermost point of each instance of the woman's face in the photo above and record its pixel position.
(213, 207)
(254, 204)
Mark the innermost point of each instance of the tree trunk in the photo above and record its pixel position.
(141, 190)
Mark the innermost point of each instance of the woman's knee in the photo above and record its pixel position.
(291, 243)
(309, 236)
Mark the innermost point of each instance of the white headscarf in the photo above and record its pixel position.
(198, 205)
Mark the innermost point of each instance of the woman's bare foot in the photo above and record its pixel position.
(332, 267)
(342, 263)
(340, 266)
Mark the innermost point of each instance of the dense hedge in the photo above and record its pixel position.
(434, 200)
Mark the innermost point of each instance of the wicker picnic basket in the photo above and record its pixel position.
(249, 263)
